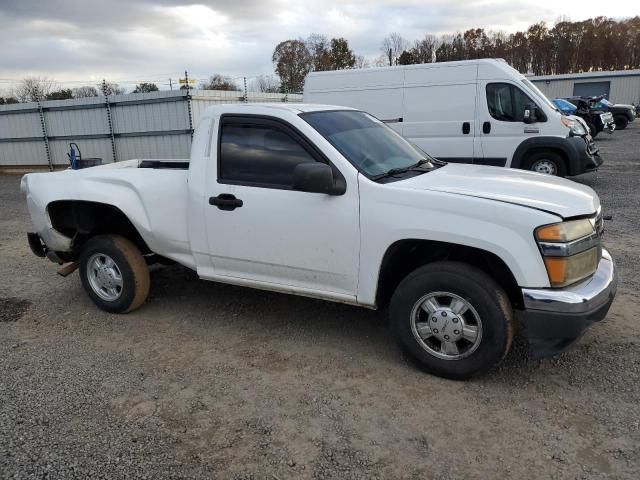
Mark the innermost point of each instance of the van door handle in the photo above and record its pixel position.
(225, 201)
(486, 127)
(466, 128)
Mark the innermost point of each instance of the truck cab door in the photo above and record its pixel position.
(501, 108)
(260, 231)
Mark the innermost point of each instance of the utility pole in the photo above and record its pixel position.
(170, 85)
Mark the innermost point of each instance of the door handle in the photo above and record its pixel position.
(466, 128)
(225, 201)
(486, 127)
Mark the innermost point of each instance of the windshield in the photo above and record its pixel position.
(371, 146)
(539, 94)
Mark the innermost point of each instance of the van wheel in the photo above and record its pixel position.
(546, 162)
(452, 319)
(621, 122)
(114, 273)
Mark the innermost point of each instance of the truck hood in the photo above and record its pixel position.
(520, 187)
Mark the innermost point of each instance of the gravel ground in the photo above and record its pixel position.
(215, 381)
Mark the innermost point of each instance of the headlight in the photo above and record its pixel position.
(571, 250)
(564, 271)
(575, 127)
(565, 231)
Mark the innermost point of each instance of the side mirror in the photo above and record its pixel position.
(317, 178)
(530, 114)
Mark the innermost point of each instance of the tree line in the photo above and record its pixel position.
(599, 43)
(35, 89)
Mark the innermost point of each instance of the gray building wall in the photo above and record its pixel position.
(144, 125)
(624, 86)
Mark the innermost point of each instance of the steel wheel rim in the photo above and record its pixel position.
(545, 166)
(105, 277)
(446, 325)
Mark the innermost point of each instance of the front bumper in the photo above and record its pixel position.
(585, 156)
(555, 318)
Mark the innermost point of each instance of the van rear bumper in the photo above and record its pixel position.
(554, 318)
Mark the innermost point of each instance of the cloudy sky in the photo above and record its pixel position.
(82, 41)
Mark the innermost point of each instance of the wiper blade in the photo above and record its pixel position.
(395, 171)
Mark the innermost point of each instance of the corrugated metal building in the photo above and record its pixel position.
(138, 125)
(622, 86)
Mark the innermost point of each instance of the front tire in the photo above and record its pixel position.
(621, 122)
(114, 273)
(546, 162)
(452, 319)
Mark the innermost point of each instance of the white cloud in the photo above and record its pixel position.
(134, 40)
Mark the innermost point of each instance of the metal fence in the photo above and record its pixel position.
(113, 128)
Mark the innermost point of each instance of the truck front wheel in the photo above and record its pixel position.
(114, 273)
(546, 162)
(452, 319)
(621, 122)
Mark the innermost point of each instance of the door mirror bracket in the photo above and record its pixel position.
(530, 114)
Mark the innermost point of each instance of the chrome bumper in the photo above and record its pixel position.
(554, 318)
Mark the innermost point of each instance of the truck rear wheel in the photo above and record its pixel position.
(621, 122)
(452, 319)
(546, 162)
(114, 273)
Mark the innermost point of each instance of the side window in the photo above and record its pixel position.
(506, 102)
(259, 155)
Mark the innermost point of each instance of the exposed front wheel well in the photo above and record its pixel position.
(405, 256)
(82, 220)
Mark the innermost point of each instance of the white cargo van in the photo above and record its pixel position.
(475, 111)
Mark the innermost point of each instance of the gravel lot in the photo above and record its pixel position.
(215, 381)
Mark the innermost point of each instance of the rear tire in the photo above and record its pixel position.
(456, 302)
(114, 273)
(546, 162)
(621, 122)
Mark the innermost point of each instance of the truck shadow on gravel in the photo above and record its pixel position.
(360, 332)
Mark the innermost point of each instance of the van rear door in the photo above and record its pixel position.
(439, 110)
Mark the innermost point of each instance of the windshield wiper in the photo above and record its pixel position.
(396, 171)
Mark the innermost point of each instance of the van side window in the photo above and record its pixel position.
(507, 102)
(259, 155)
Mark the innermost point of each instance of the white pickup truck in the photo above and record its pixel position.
(329, 202)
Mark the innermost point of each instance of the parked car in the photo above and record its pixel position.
(598, 119)
(476, 111)
(569, 109)
(329, 202)
(623, 114)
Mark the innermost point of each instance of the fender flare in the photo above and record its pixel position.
(565, 147)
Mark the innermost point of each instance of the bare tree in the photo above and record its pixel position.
(392, 46)
(424, 51)
(219, 82)
(319, 48)
(34, 89)
(266, 84)
(110, 89)
(86, 91)
(361, 62)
